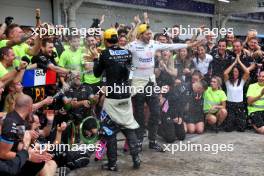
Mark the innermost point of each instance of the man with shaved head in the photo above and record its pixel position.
(14, 126)
(13, 130)
(23, 105)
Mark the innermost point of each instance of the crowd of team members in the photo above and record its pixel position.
(217, 84)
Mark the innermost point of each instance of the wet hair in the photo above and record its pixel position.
(187, 61)
(262, 70)
(231, 76)
(87, 36)
(253, 38)
(4, 52)
(197, 59)
(45, 41)
(158, 35)
(229, 33)
(197, 73)
(200, 84)
(170, 62)
(221, 40)
(72, 37)
(122, 32)
(218, 80)
(204, 46)
(89, 124)
(10, 28)
(204, 84)
(176, 26)
(121, 36)
(238, 41)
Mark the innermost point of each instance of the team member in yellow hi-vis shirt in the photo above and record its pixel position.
(91, 51)
(16, 39)
(215, 103)
(255, 100)
(7, 71)
(71, 58)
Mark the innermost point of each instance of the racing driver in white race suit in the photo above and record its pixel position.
(143, 53)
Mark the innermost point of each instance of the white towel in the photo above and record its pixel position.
(121, 112)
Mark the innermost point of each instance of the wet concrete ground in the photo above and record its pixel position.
(247, 158)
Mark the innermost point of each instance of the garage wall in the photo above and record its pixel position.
(241, 28)
(158, 20)
(23, 11)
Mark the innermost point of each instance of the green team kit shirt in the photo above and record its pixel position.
(212, 98)
(3, 70)
(89, 77)
(71, 59)
(19, 50)
(254, 90)
(66, 46)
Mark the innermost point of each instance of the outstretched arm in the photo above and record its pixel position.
(176, 46)
(132, 35)
(58, 69)
(201, 29)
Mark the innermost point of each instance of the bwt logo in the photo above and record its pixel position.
(118, 52)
